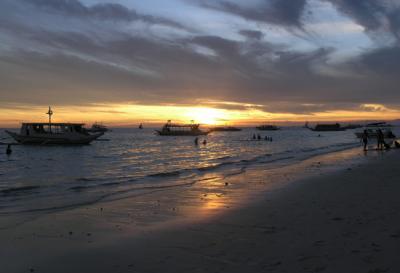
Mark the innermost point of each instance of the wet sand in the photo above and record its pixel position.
(332, 213)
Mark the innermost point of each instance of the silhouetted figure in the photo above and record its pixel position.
(196, 141)
(258, 137)
(380, 139)
(270, 139)
(204, 142)
(8, 151)
(266, 138)
(365, 139)
(391, 135)
(254, 137)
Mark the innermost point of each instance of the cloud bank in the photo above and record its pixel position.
(69, 52)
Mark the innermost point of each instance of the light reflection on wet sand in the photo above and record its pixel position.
(212, 195)
(201, 201)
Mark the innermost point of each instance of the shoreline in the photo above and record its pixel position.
(107, 231)
(229, 187)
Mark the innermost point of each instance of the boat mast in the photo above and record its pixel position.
(50, 113)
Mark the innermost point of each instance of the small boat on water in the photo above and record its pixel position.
(327, 127)
(225, 129)
(171, 129)
(97, 128)
(53, 133)
(353, 126)
(268, 128)
(378, 125)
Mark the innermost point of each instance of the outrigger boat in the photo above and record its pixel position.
(379, 125)
(267, 128)
(98, 127)
(171, 129)
(225, 129)
(327, 127)
(372, 133)
(53, 133)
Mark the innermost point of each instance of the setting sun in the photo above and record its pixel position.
(209, 116)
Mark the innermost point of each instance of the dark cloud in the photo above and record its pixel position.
(377, 16)
(286, 13)
(103, 11)
(251, 34)
(382, 62)
(112, 71)
(83, 65)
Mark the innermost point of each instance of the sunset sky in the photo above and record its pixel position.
(214, 61)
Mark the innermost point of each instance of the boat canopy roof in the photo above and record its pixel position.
(182, 125)
(53, 123)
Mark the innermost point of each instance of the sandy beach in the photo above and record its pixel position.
(331, 213)
(199, 136)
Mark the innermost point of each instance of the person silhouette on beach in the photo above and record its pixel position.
(380, 139)
(254, 136)
(8, 151)
(204, 142)
(365, 139)
(196, 141)
(258, 137)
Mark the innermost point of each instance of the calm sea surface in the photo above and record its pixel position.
(36, 178)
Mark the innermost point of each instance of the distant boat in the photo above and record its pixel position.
(372, 133)
(170, 129)
(378, 125)
(98, 127)
(225, 129)
(327, 127)
(53, 133)
(268, 128)
(140, 126)
(372, 130)
(353, 126)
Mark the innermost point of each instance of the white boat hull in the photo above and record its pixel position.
(55, 139)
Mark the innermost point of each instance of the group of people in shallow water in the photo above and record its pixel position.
(258, 137)
(196, 141)
(380, 139)
(255, 137)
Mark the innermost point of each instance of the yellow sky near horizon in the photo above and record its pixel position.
(129, 114)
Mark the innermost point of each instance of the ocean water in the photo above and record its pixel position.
(41, 178)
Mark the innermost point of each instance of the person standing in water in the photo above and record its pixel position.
(196, 141)
(365, 139)
(204, 142)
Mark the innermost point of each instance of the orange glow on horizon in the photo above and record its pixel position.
(129, 114)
